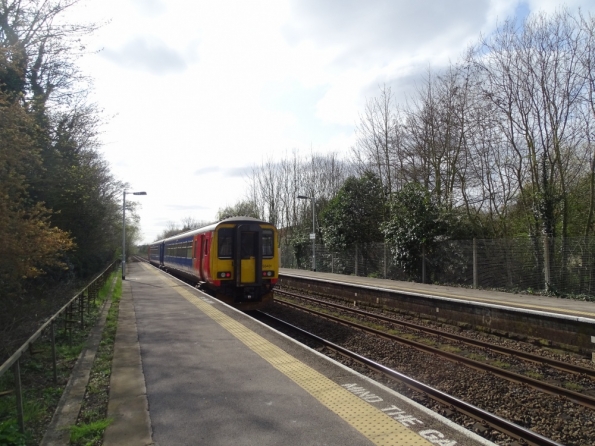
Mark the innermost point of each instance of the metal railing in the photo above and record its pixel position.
(73, 312)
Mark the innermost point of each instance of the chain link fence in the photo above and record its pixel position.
(534, 264)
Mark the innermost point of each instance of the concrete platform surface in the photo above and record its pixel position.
(217, 377)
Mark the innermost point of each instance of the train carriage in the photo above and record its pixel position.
(236, 259)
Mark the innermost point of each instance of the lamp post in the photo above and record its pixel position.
(313, 235)
(124, 229)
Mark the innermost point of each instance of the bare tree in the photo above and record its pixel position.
(587, 61)
(376, 138)
(437, 136)
(243, 208)
(41, 50)
(531, 76)
(189, 223)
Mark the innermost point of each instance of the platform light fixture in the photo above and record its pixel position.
(124, 229)
(313, 235)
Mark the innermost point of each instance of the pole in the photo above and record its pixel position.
(313, 232)
(385, 260)
(19, 393)
(475, 280)
(423, 264)
(546, 261)
(123, 235)
(313, 235)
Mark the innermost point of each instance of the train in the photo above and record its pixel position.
(235, 260)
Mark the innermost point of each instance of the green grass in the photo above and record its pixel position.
(501, 364)
(477, 357)
(573, 386)
(69, 352)
(450, 348)
(534, 375)
(410, 336)
(427, 341)
(88, 434)
(10, 435)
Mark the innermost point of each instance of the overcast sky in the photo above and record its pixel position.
(195, 93)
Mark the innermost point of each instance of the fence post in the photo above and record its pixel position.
(19, 393)
(423, 264)
(546, 261)
(54, 359)
(385, 261)
(82, 310)
(356, 259)
(475, 280)
(70, 314)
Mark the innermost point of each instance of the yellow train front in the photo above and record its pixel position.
(236, 259)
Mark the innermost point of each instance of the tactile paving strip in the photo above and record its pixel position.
(378, 427)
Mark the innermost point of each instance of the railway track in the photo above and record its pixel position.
(585, 400)
(522, 435)
(537, 359)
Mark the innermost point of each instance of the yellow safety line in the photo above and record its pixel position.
(378, 427)
(472, 299)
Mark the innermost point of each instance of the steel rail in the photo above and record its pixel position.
(513, 430)
(566, 367)
(579, 398)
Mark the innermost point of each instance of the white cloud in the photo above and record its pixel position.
(150, 7)
(146, 53)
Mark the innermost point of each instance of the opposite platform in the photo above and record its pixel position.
(215, 376)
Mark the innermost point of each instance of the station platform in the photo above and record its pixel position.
(517, 300)
(209, 374)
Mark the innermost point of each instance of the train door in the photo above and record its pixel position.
(206, 259)
(195, 268)
(200, 253)
(248, 255)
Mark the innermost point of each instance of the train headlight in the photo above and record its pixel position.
(224, 275)
(268, 273)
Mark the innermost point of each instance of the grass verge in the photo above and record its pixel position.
(92, 420)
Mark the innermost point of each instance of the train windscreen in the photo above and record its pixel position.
(268, 242)
(225, 243)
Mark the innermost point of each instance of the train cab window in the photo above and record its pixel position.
(225, 243)
(247, 245)
(268, 243)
